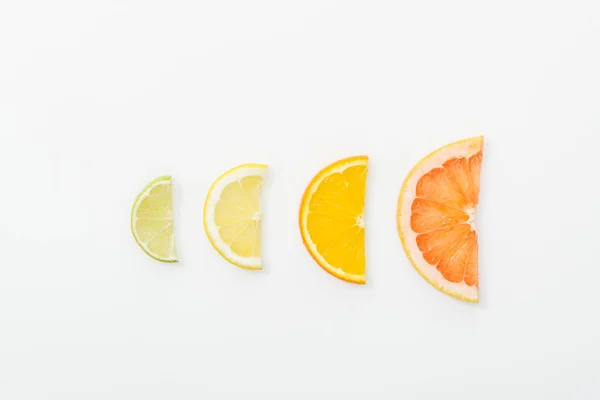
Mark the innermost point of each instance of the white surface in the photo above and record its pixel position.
(99, 97)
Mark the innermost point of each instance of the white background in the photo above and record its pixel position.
(99, 97)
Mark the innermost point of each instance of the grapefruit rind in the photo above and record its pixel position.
(462, 148)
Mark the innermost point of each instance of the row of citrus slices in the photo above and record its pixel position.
(435, 217)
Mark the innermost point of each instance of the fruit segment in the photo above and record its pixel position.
(152, 220)
(436, 217)
(331, 218)
(233, 217)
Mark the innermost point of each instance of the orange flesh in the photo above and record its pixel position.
(442, 212)
(335, 219)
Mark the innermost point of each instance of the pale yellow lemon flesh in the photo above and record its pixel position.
(233, 216)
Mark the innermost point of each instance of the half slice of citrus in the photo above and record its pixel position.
(232, 215)
(436, 218)
(331, 218)
(152, 220)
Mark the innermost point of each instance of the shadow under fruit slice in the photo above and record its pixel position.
(152, 220)
(436, 218)
(331, 218)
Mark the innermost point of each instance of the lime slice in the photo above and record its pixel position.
(152, 220)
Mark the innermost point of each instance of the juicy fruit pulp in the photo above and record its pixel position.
(442, 215)
(237, 216)
(152, 221)
(331, 219)
(436, 217)
(232, 216)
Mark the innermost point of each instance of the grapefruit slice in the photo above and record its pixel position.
(331, 218)
(436, 218)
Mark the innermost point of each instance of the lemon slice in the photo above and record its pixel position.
(152, 220)
(232, 215)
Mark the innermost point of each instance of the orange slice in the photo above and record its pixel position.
(331, 218)
(436, 218)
